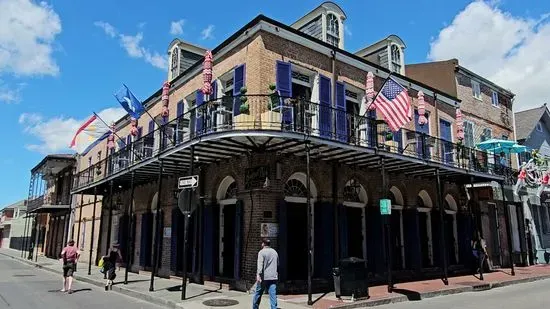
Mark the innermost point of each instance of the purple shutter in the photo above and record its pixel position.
(151, 126)
(284, 86)
(199, 111)
(214, 94)
(341, 116)
(325, 117)
(179, 111)
(140, 132)
(238, 83)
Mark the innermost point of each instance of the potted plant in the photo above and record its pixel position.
(271, 119)
(244, 120)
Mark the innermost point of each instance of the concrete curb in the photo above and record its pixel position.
(122, 290)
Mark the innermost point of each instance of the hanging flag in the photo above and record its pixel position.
(130, 103)
(394, 104)
(89, 134)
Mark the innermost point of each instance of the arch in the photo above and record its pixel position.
(399, 200)
(331, 6)
(426, 199)
(397, 40)
(228, 183)
(351, 194)
(451, 202)
(301, 177)
(153, 205)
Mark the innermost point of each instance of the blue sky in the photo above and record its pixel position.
(71, 56)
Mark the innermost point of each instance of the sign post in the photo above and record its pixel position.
(188, 182)
(187, 185)
(385, 211)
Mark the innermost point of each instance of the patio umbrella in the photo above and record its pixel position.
(510, 149)
(492, 144)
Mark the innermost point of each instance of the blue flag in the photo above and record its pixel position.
(130, 103)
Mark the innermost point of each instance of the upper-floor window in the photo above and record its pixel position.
(486, 135)
(395, 58)
(476, 90)
(175, 58)
(333, 30)
(539, 127)
(505, 137)
(469, 140)
(494, 99)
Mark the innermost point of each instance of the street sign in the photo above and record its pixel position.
(184, 201)
(385, 207)
(188, 182)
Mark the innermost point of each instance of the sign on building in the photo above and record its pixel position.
(385, 207)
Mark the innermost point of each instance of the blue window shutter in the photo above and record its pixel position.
(341, 116)
(398, 137)
(140, 132)
(371, 114)
(284, 78)
(199, 111)
(214, 94)
(151, 126)
(325, 111)
(179, 108)
(120, 144)
(238, 83)
(200, 97)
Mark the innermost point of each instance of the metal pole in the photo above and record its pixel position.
(387, 227)
(508, 229)
(442, 242)
(156, 246)
(200, 225)
(92, 234)
(32, 238)
(309, 225)
(130, 242)
(24, 243)
(36, 243)
(185, 228)
(79, 220)
(110, 222)
(336, 213)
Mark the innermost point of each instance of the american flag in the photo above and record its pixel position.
(394, 103)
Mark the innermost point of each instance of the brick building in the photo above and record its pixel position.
(303, 163)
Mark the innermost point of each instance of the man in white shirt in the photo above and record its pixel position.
(266, 275)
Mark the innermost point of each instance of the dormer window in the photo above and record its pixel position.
(395, 58)
(333, 30)
(175, 58)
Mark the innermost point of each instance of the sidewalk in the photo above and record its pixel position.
(167, 291)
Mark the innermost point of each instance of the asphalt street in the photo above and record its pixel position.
(525, 296)
(25, 287)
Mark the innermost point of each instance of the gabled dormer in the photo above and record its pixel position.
(388, 53)
(182, 55)
(326, 23)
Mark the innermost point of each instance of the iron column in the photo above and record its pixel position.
(309, 225)
(508, 229)
(92, 234)
(130, 242)
(24, 243)
(441, 227)
(186, 226)
(110, 223)
(156, 246)
(386, 230)
(79, 220)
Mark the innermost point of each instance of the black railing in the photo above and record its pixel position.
(275, 113)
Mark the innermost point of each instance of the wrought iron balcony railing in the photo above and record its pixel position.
(275, 113)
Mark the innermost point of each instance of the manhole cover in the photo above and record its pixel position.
(220, 302)
(23, 275)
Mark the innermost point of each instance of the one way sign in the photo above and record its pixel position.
(188, 182)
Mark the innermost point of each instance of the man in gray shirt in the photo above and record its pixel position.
(266, 275)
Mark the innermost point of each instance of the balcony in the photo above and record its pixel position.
(283, 124)
(49, 202)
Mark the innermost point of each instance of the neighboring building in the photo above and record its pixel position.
(533, 131)
(253, 166)
(50, 204)
(487, 113)
(12, 224)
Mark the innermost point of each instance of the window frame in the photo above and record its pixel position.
(495, 103)
(538, 127)
(466, 122)
(476, 86)
(332, 29)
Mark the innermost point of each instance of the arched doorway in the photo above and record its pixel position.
(156, 231)
(352, 221)
(451, 230)
(294, 216)
(424, 206)
(227, 201)
(397, 230)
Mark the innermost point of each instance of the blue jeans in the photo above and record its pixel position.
(271, 286)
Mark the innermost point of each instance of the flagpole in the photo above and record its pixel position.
(133, 150)
(376, 96)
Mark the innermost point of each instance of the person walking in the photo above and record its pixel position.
(69, 256)
(479, 249)
(266, 275)
(110, 263)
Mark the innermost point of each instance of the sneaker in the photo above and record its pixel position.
(62, 291)
(70, 291)
(106, 288)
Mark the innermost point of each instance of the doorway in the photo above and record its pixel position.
(297, 240)
(396, 221)
(355, 231)
(424, 221)
(227, 240)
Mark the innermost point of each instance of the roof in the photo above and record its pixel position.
(527, 119)
(22, 204)
(376, 46)
(57, 157)
(187, 46)
(327, 5)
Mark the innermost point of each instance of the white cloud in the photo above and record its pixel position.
(511, 51)
(27, 35)
(176, 27)
(132, 45)
(55, 134)
(10, 94)
(206, 33)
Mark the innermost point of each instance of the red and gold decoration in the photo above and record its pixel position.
(422, 120)
(111, 138)
(165, 91)
(459, 125)
(207, 73)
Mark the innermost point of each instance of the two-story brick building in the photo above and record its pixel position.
(285, 148)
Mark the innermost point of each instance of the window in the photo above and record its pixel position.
(504, 137)
(524, 157)
(395, 58)
(333, 30)
(175, 58)
(469, 140)
(494, 99)
(486, 135)
(296, 188)
(476, 90)
(539, 127)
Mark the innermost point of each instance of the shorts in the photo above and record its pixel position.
(111, 275)
(68, 269)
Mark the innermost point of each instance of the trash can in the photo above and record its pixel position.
(350, 279)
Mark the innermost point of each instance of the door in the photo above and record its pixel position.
(297, 241)
(424, 238)
(446, 147)
(396, 244)
(423, 131)
(450, 238)
(355, 231)
(228, 241)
